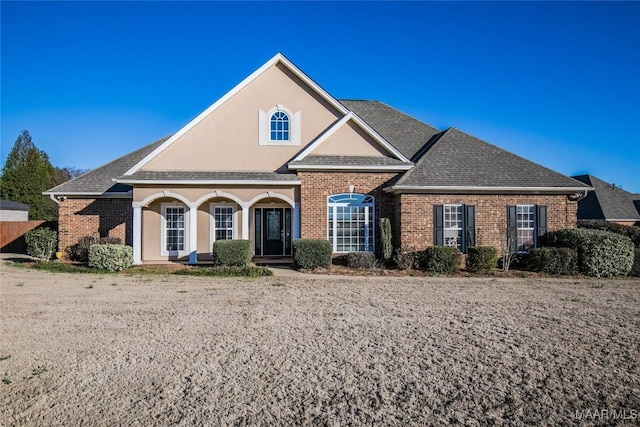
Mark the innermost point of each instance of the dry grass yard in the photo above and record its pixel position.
(164, 350)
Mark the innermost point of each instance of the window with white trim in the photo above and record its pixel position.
(453, 225)
(223, 222)
(279, 126)
(350, 219)
(525, 225)
(174, 229)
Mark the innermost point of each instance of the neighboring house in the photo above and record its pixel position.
(13, 211)
(278, 158)
(608, 203)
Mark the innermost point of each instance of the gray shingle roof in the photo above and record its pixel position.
(315, 160)
(209, 176)
(606, 202)
(404, 132)
(100, 180)
(457, 159)
(10, 205)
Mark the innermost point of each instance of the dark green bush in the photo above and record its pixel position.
(632, 232)
(312, 253)
(440, 259)
(110, 257)
(80, 251)
(635, 270)
(550, 260)
(404, 258)
(564, 238)
(232, 252)
(600, 253)
(481, 258)
(364, 260)
(41, 243)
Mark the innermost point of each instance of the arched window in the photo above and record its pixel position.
(350, 219)
(279, 127)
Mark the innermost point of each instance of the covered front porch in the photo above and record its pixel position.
(180, 224)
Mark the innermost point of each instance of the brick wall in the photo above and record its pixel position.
(94, 217)
(414, 215)
(317, 186)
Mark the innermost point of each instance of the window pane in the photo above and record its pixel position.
(223, 222)
(353, 219)
(175, 228)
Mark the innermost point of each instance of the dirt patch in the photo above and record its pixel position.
(158, 350)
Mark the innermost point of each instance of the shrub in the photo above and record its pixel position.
(481, 258)
(110, 257)
(80, 251)
(364, 260)
(440, 259)
(635, 270)
(41, 243)
(549, 260)
(226, 271)
(385, 238)
(232, 252)
(405, 258)
(312, 253)
(600, 253)
(630, 231)
(109, 240)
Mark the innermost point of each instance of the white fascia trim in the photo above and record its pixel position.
(485, 190)
(206, 182)
(351, 167)
(368, 129)
(278, 58)
(97, 195)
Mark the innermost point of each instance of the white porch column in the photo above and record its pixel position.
(137, 233)
(193, 234)
(245, 222)
(296, 221)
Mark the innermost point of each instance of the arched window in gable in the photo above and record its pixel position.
(279, 126)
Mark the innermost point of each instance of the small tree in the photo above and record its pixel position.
(509, 249)
(386, 237)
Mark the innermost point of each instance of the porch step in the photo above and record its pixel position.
(268, 260)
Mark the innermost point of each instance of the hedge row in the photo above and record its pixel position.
(600, 253)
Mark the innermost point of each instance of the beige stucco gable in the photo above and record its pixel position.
(228, 138)
(349, 140)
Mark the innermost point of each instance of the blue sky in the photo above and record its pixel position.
(557, 83)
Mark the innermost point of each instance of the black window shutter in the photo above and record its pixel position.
(469, 226)
(512, 228)
(541, 221)
(438, 222)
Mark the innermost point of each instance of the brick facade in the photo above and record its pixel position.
(317, 186)
(414, 215)
(94, 217)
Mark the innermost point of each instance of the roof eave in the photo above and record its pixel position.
(396, 189)
(206, 182)
(360, 168)
(90, 194)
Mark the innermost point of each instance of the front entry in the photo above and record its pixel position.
(273, 231)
